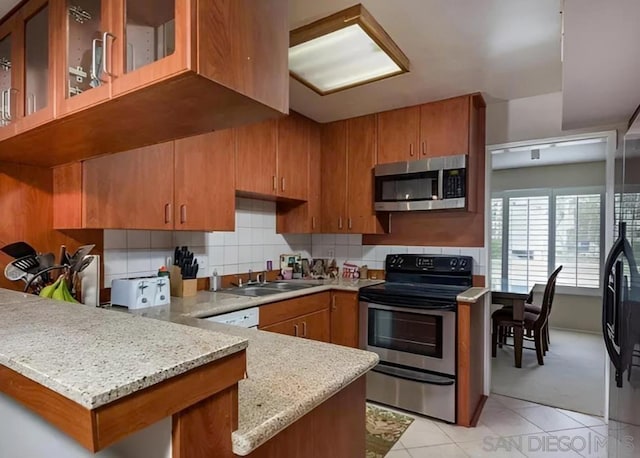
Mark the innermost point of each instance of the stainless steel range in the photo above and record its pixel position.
(410, 322)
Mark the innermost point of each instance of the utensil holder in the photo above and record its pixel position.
(181, 287)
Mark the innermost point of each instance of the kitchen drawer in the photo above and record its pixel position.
(313, 326)
(286, 310)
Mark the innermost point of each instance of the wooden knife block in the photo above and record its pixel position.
(181, 287)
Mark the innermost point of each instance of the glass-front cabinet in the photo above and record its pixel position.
(8, 79)
(86, 76)
(155, 41)
(34, 93)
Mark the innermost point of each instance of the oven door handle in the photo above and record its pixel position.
(414, 376)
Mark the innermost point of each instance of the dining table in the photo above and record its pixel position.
(514, 295)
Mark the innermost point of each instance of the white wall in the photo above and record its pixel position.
(531, 118)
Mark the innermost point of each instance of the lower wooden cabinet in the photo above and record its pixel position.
(345, 319)
(325, 317)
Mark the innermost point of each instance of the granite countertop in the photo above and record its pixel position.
(207, 303)
(94, 356)
(472, 295)
(287, 378)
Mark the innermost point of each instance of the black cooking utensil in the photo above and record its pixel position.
(19, 250)
(28, 264)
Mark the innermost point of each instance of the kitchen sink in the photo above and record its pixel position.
(266, 289)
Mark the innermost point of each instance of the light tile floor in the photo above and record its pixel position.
(513, 428)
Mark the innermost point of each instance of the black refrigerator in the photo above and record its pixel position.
(621, 303)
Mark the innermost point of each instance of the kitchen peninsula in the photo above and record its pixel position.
(128, 386)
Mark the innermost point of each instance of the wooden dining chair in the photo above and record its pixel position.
(534, 324)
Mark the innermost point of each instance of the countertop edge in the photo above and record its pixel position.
(246, 443)
(102, 399)
(472, 295)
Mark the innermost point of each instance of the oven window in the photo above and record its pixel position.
(406, 332)
(408, 187)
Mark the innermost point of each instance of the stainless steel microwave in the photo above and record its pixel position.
(437, 183)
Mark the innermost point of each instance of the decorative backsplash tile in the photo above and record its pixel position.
(140, 253)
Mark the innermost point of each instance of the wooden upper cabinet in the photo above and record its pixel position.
(361, 159)
(34, 90)
(10, 71)
(82, 28)
(334, 177)
(130, 190)
(444, 127)
(398, 135)
(293, 157)
(204, 182)
(256, 158)
(150, 41)
(113, 75)
(315, 177)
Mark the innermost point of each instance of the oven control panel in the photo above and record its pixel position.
(416, 263)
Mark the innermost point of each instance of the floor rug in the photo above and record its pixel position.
(384, 429)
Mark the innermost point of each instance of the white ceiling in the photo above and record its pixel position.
(506, 49)
(601, 72)
(6, 5)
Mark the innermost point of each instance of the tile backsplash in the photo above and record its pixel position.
(130, 253)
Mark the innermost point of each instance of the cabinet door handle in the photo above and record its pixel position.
(105, 53)
(94, 70)
(313, 222)
(304, 329)
(183, 214)
(411, 149)
(340, 222)
(275, 183)
(295, 330)
(350, 224)
(167, 213)
(333, 304)
(283, 183)
(424, 148)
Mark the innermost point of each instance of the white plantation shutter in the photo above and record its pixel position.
(496, 241)
(577, 239)
(528, 240)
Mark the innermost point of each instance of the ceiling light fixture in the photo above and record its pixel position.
(344, 50)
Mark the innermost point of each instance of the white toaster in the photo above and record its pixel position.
(138, 293)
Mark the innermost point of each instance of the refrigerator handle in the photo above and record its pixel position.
(611, 303)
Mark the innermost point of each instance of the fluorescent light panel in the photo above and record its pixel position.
(344, 50)
(341, 59)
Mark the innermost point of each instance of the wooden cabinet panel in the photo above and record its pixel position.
(292, 308)
(293, 157)
(398, 135)
(334, 177)
(204, 182)
(344, 319)
(67, 196)
(361, 159)
(243, 44)
(315, 177)
(316, 326)
(287, 327)
(133, 189)
(444, 127)
(304, 218)
(256, 158)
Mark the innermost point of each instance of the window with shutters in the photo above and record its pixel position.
(541, 229)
